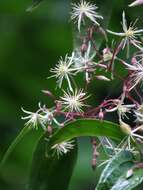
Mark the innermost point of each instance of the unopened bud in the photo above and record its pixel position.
(58, 106)
(140, 109)
(101, 115)
(107, 55)
(49, 129)
(133, 60)
(48, 93)
(135, 3)
(83, 48)
(129, 173)
(101, 77)
(94, 163)
(125, 128)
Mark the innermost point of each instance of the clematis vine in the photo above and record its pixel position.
(85, 66)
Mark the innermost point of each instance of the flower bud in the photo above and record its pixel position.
(125, 128)
(83, 48)
(135, 3)
(129, 173)
(107, 55)
(101, 77)
(49, 129)
(133, 60)
(101, 114)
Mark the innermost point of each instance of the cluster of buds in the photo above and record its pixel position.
(89, 60)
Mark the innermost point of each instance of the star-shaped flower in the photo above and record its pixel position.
(64, 70)
(129, 34)
(63, 148)
(84, 9)
(73, 102)
(137, 74)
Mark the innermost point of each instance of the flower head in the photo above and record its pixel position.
(107, 54)
(63, 148)
(139, 114)
(84, 9)
(135, 3)
(85, 61)
(43, 116)
(47, 117)
(131, 133)
(137, 74)
(64, 70)
(33, 118)
(121, 108)
(74, 101)
(129, 34)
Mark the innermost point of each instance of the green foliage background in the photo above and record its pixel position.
(30, 44)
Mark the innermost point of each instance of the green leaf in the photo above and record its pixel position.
(34, 5)
(116, 166)
(50, 172)
(87, 127)
(20, 136)
(124, 183)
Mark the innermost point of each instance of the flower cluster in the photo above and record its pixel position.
(93, 63)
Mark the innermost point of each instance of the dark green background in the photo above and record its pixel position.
(30, 44)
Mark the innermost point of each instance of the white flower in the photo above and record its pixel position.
(129, 34)
(84, 9)
(137, 75)
(85, 61)
(74, 101)
(107, 54)
(43, 117)
(47, 117)
(121, 108)
(33, 118)
(131, 134)
(64, 70)
(139, 114)
(63, 148)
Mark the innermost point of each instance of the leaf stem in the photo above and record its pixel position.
(22, 133)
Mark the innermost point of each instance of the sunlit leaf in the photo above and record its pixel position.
(124, 183)
(116, 166)
(87, 127)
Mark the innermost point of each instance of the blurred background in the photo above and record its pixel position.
(30, 44)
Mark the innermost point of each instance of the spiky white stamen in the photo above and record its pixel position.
(64, 70)
(139, 114)
(84, 9)
(63, 148)
(121, 108)
(137, 75)
(85, 62)
(129, 34)
(43, 117)
(33, 118)
(74, 101)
